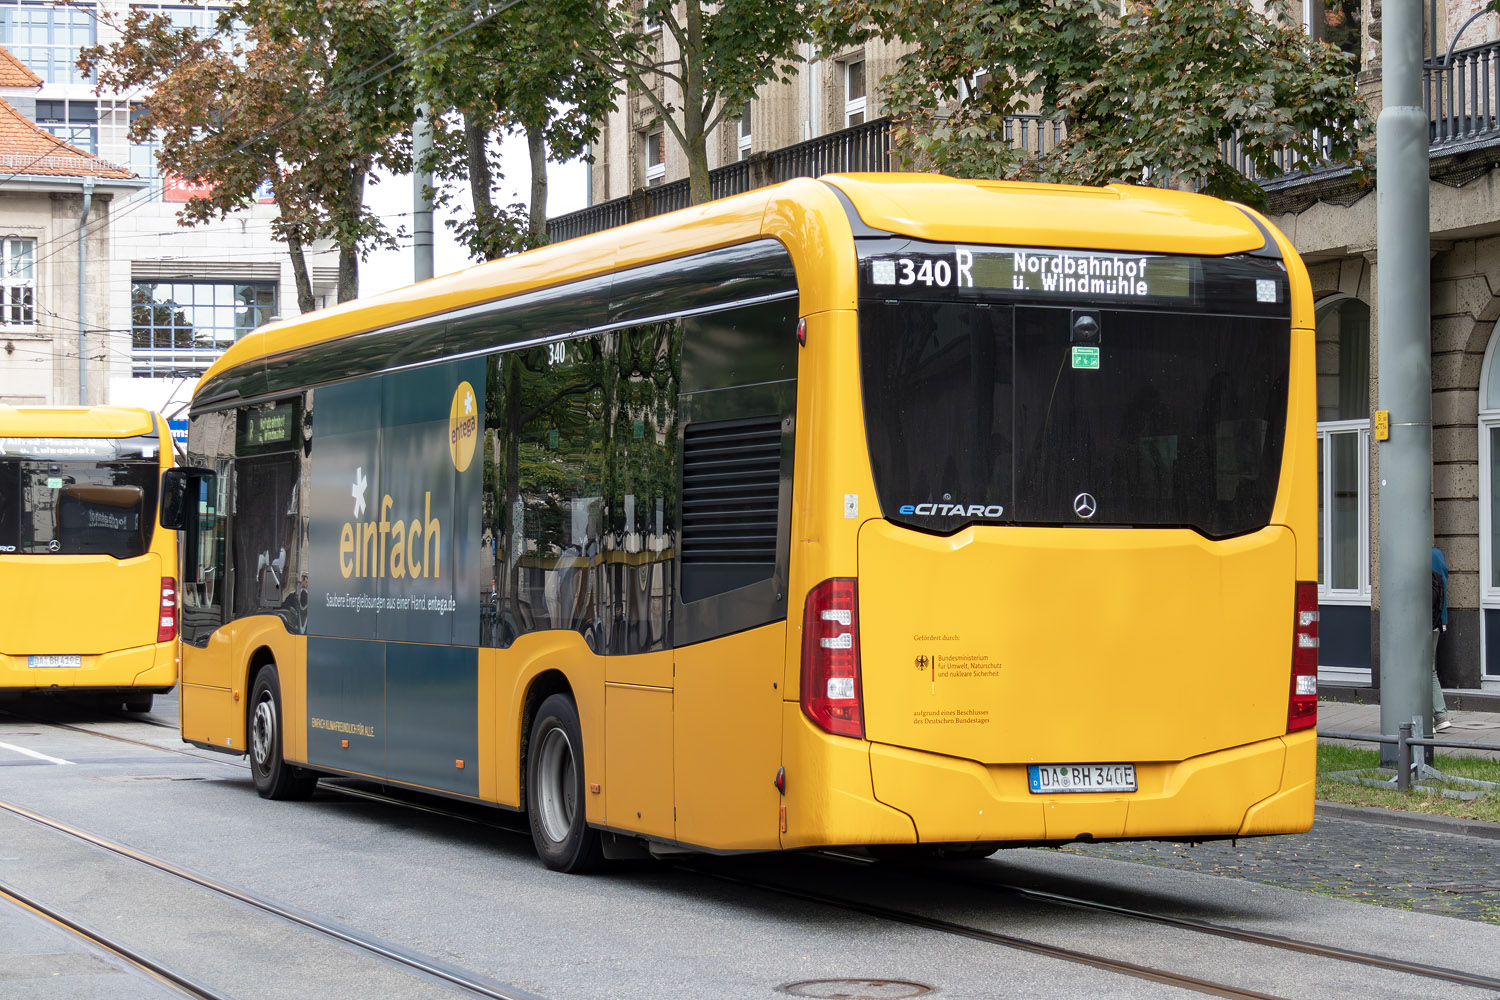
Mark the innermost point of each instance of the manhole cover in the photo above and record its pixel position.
(856, 989)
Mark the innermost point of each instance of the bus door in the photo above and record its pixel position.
(194, 502)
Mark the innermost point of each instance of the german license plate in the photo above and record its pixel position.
(55, 660)
(1048, 779)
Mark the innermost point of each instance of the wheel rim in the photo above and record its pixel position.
(263, 732)
(557, 794)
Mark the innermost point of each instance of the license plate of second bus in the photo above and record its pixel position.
(53, 660)
(1047, 779)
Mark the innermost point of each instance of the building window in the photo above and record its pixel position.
(205, 19)
(1336, 22)
(854, 93)
(1343, 360)
(744, 130)
(74, 122)
(143, 154)
(17, 283)
(181, 327)
(656, 158)
(1489, 517)
(1343, 509)
(47, 37)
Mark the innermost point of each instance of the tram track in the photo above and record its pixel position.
(714, 869)
(426, 966)
(710, 869)
(170, 978)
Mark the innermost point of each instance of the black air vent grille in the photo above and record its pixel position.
(731, 475)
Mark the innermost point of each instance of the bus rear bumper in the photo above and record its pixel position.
(144, 668)
(1260, 788)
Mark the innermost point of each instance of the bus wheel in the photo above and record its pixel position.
(554, 789)
(139, 703)
(274, 777)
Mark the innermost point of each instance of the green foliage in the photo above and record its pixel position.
(1150, 96)
(279, 91)
(698, 63)
(492, 70)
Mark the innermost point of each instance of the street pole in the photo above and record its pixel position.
(421, 183)
(1405, 376)
(83, 298)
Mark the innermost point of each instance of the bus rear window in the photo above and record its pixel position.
(71, 507)
(987, 412)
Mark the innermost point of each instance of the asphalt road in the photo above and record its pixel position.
(472, 897)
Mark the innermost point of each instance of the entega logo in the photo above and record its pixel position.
(381, 547)
(463, 426)
(953, 510)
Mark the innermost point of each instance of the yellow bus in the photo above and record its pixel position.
(89, 580)
(884, 510)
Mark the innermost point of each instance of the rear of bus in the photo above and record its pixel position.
(1087, 606)
(89, 578)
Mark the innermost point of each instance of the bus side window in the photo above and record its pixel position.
(203, 555)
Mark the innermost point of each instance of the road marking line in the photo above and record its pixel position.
(33, 753)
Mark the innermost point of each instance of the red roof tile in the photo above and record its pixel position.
(15, 73)
(30, 151)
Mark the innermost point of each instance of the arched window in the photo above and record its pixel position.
(1489, 515)
(1343, 360)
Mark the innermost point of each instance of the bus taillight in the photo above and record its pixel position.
(166, 624)
(1302, 709)
(830, 658)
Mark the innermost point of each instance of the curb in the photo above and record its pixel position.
(1414, 821)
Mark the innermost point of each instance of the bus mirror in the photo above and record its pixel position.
(175, 487)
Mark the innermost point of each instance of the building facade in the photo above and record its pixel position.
(1330, 217)
(56, 240)
(174, 296)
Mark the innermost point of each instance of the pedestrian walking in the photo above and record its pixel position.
(1440, 720)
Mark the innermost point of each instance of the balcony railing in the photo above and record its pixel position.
(1462, 95)
(1462, 98)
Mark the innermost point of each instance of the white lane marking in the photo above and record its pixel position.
(33, 753)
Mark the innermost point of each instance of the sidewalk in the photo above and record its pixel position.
(1468, 726)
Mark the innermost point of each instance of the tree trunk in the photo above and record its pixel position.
(695, 144)
(536, 143)
(305, 301)
(481, 179)
(349, 244)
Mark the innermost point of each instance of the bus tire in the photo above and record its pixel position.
(554, 789)
(139, 702)
(274, 777)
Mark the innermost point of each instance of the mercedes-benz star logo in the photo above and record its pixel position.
(1084, 505)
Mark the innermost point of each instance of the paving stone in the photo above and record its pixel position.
(1392, 866)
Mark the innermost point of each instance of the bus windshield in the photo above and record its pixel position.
(78, 496)
(1026, 407)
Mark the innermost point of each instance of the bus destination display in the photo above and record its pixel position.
(266, 427)
(1043, 273)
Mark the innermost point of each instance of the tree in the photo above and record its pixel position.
(518, 69)
(258, 100)
(699, 63)
(1150, 96)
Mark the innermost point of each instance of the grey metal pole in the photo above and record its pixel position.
(421, 183)
(83, 326)
(1405, 378)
